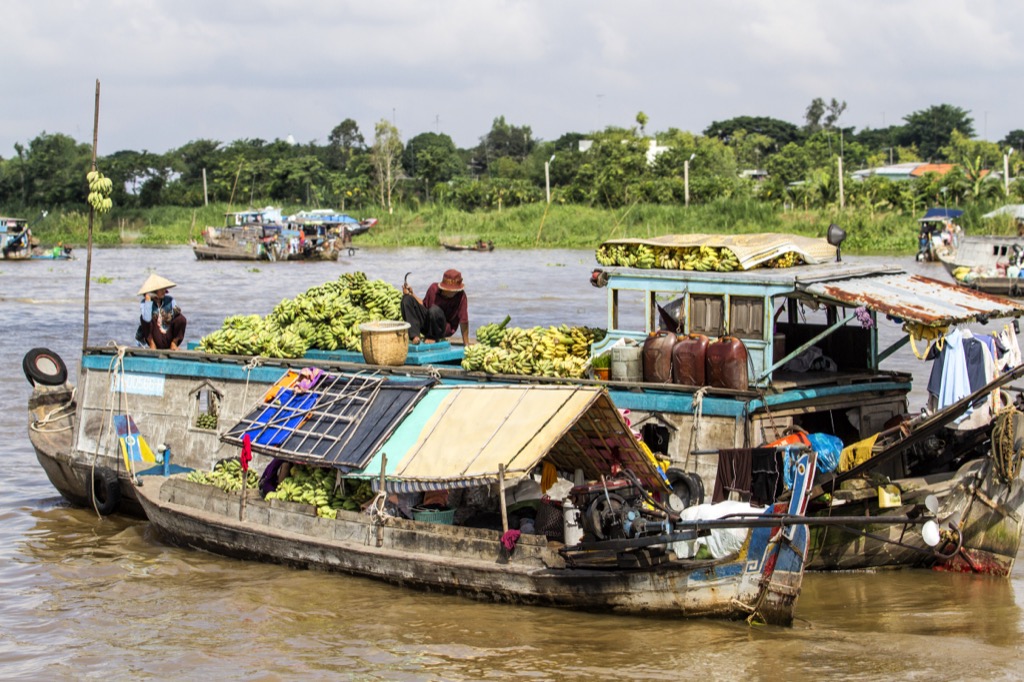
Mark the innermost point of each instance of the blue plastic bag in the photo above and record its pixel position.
(827, 447)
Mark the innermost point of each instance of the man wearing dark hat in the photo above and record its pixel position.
(443, 310)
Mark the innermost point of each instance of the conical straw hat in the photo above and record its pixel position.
(155, 283)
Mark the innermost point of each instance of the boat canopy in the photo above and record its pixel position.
(751, 249)
(337, 419)
(441, 437)
(457, 437)
(937, 213)
(913, 298)
(323, 217)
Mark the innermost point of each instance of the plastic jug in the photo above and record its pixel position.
(725, 364)
(658, 357)
(626, 363)
(688, 359)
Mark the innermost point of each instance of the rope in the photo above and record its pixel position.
(59, 412)
(929, 334)
(254, 362)
(698, 416)
(1005, 456)
(116, 370)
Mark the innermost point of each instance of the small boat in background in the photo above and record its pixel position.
(478, 245)
(987, 263)
(939, 233)
(18, 243)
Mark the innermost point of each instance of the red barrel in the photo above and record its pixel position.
(657, 357)
(688, 359)
(725, 364)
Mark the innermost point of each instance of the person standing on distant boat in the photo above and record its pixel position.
(161, 323)
(444, 309)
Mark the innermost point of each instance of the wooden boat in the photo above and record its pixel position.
(169, 391)
(17, 243)
(624, 564)
(939, 233)
(478, 246)
(987, 263)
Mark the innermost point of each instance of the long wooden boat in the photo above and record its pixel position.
(170, 391)
(478, 246)
(17, 243)
(626, 563)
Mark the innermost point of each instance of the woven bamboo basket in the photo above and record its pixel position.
(385, 342)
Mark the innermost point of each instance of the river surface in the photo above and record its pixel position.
(83, 597)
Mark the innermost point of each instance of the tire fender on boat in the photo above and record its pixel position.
(687, 487)
(43, 366)
(106, 491)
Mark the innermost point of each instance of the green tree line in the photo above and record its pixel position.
(608, 169)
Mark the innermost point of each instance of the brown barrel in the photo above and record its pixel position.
(658, 357)
(725, 364)
(688, 359)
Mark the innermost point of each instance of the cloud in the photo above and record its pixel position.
(227, 70)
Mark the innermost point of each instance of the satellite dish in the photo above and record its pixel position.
(930, 533)
(931, 503)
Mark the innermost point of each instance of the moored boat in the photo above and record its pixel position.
(987, 263)
(758, 310)
(620, 558)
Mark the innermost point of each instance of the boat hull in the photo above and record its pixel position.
(464, 561)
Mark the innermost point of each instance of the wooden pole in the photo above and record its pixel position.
(501, 498)
(88, 257)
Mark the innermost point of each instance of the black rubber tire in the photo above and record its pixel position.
(43, 366)
(106, 491)
(688, 487)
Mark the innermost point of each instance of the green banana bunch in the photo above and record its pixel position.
(100, 189)
(226, 475)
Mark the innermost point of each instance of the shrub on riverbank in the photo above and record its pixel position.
(530, 226)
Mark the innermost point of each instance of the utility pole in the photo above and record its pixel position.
(686, 178)
(842, 197)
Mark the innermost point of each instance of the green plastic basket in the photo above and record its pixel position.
(444, 516)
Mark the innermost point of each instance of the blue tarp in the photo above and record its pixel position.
(936, 213)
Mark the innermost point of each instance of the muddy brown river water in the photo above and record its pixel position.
(88, 598)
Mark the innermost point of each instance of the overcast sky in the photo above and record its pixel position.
(172, 72)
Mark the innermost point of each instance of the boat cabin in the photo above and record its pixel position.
(15, 237)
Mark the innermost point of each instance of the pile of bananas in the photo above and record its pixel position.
(492, 334)
(316, 486)
(699, 258)
(226, 475)
(786, 260)
(561, 351)
(207, 420)
(100, 189)
(326, 317)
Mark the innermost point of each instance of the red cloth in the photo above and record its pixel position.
(246, 455)
(509, 539)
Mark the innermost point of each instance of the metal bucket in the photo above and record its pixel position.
(627, 363)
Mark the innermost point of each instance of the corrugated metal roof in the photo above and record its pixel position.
(914, 298)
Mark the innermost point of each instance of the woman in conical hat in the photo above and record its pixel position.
(161, 324)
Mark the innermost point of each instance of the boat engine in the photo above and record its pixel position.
(615, 509)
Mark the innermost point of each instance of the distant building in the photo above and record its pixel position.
(907, 171)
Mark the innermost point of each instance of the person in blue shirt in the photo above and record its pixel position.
(161, 323)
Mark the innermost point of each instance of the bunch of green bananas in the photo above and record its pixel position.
(561, 351)
(320, 487)
(226, 475)
(100, 189)
(492, 334)
(206, 420)
(326, 316)
(700, 258)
